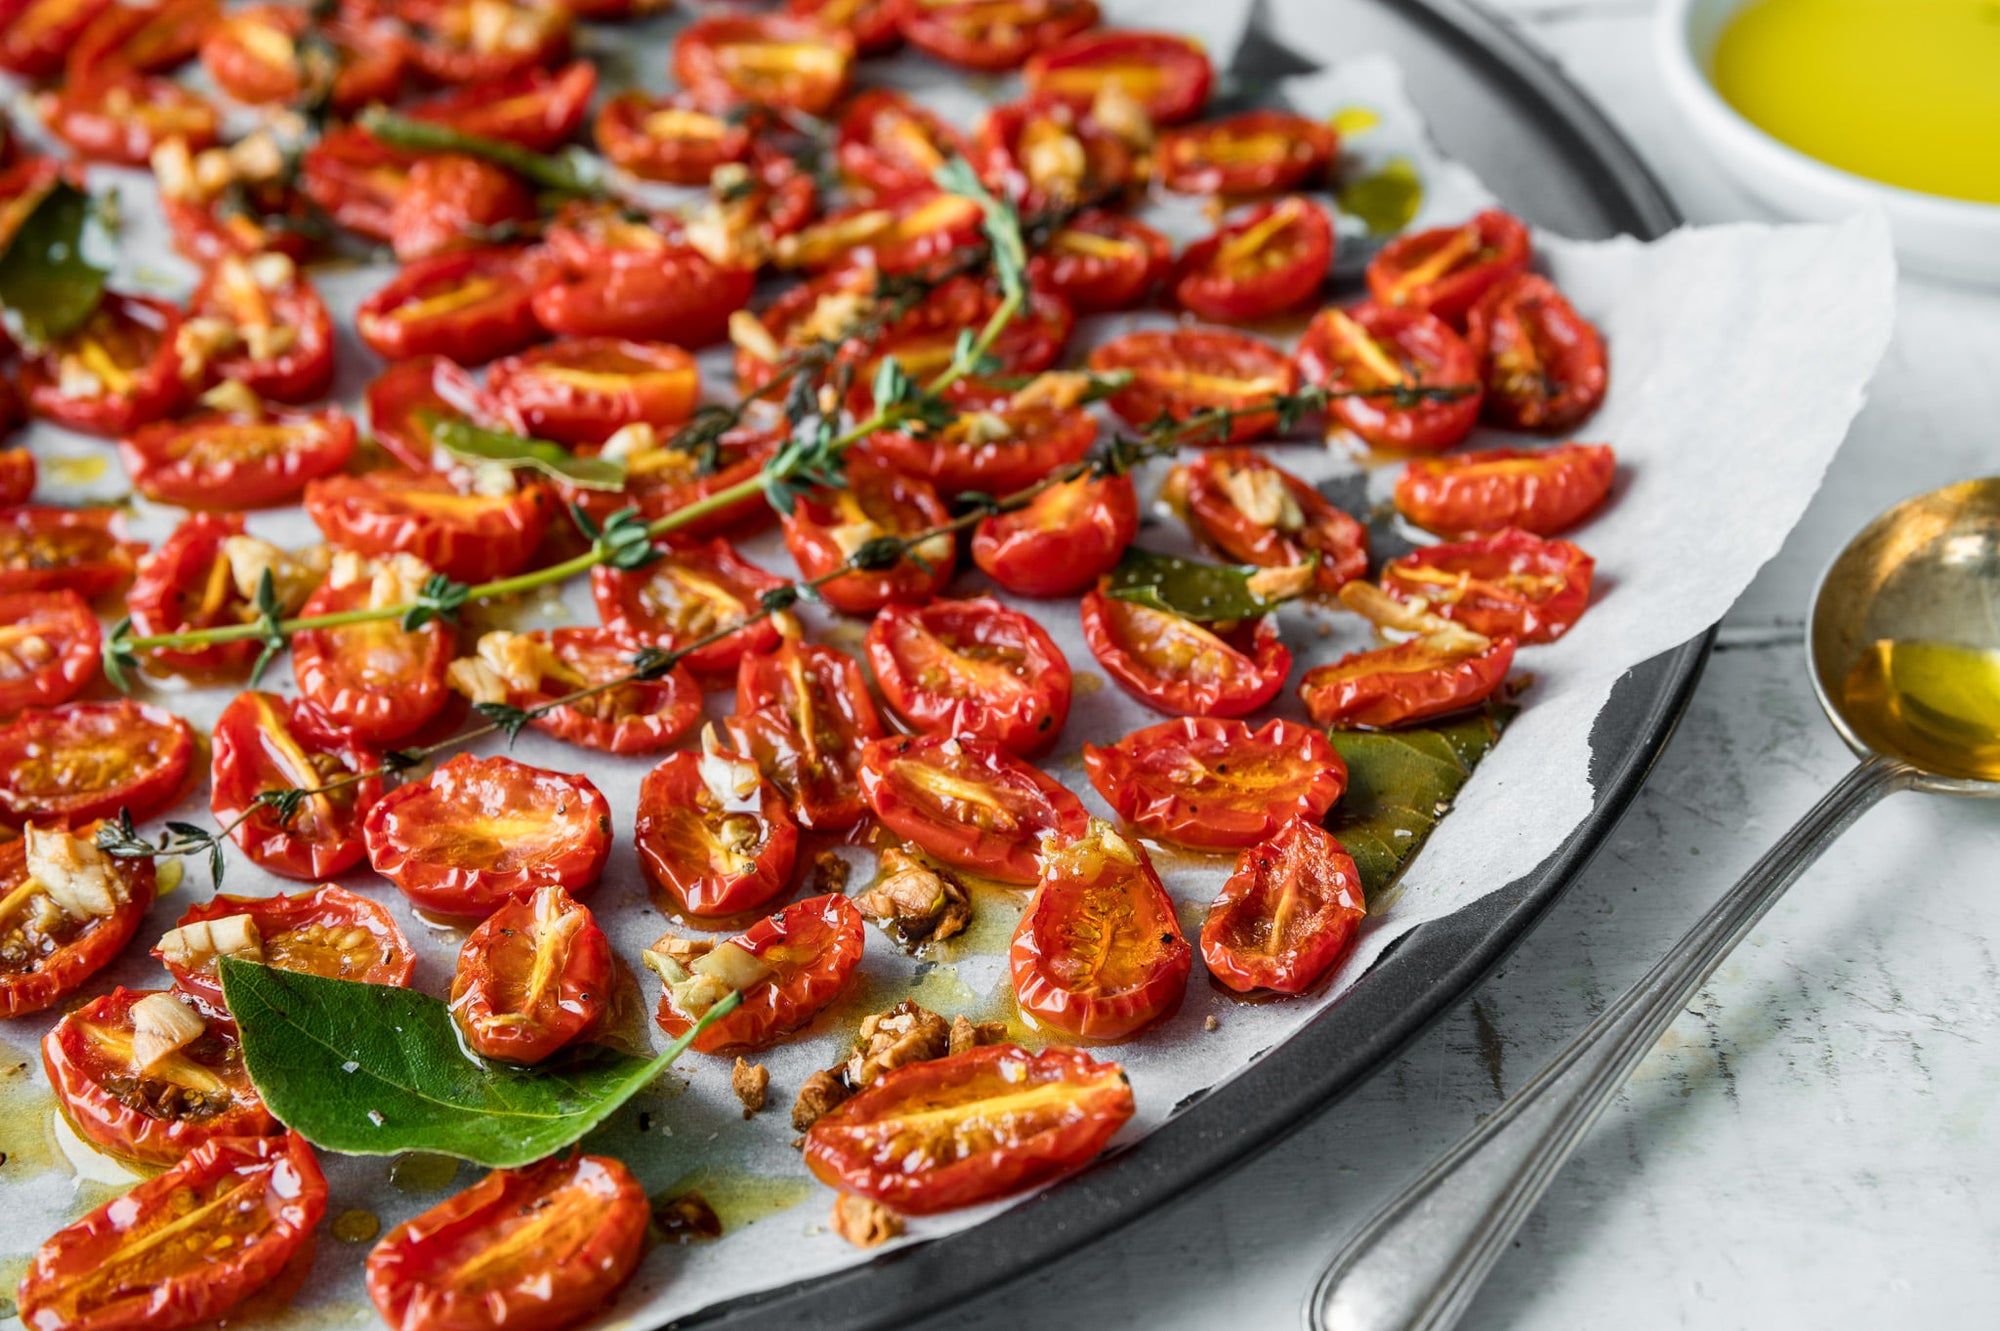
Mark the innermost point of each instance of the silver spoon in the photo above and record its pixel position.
(1905, 653)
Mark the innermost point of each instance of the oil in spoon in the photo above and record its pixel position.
(1936, 703)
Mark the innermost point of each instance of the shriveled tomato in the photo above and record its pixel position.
(189, 583)
(355, 179)
(535, 1249)
(17, 465)
(1270, 259)
(1187, 371)
(909, 233)
(114, 374)
(159, 1112)
(977, 1125)
(237, 459)
(583, 390)
(888, 144)
(1099, 953)
(801, 959)
(1411, 681)
(640, 716)
(478, 831)
(536, 109)
(533, 977)
(120, 117)
(36, 34)
(402, 396)
(824, 307)
(714, 837)
(1544, 491)
(1180, 666)
(1043, 152)
(670, 138)
(1287, 914)
(764, 60)
(376, 680)
(1511, 584)
(1251, 152)
(262, 324)
(49, 549)
(328, 931)
(1447, 269)
(803, 713)
(264, 743)
(669, 295)
(993, 446)
(969, 802)
(972, 669)
(1217, 784)
(49, 949)
(467, 537)
(1063, 541)
(689, 592)
(148, 38)
(1103, 261)
(1167, 74)
(473, 41)
(452, 201)
(924, 340)
(253, 1203)
(87, 760)
(48, 648)
(661, 479)
(252, 54)
(1255, 512)
(991, 34)
(470, 305)
(827, 527)
(1542, 362)
(871, 23)
(1390, 355)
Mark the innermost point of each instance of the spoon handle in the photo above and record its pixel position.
(1417, 1264)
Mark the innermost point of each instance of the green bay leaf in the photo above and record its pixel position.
(53, 269)
(572, 171)
(1190, 588)
(475, 443)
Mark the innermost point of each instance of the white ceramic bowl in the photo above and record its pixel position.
(1949, 238)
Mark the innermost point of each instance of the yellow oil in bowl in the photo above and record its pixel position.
(1906, 92)
(1935, 702)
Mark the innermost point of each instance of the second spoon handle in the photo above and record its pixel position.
(1416, 1265)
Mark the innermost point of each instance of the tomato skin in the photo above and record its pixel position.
(263, 1237)
(35, 35)
(677, 831)
(1470, 260)
(174, 593)
(1001, 152)
(914, 232)
(1421, 346)
(402, 393)
(396, 324)
(583, 390)
(372, 60)
(626, 132)
(303, 371)
(1152, 655)
(1174, 86)
(17, 465)
(265, 742)
(674, 480)
(1000, 839)
(355, 179)
(491, 995)
(148, 38)
(1067, 537)
(138, 332)
(1511, 584)
(46, 549)
(59, 965)
(887, 144)
(692, 589)
(871, 23)
(1099, 896)
(856, 1145)
(972, 669)
(1281, 269)
(119, 117)
(811, 946)
(450, 198)
(644, 716)
(469, 538)
(38, 749)
(427, 1275)
(419, 840)
(896, 505)
(1173, 372)
(1075, 266)
(1411, 681)
(673, 295)
(819, 714)
(1543, 363)
(991, 34)
(924, 339)
(1217, 784)
(124, 1122)
(1287, 914)
(1204, 492)
(341, 671)
(705, 65)
(49, 643)
(447, 50)
(328, 931)
(536, 109)
(237, 460)
(1039, 438)
(1544, 491)
(1209, 158)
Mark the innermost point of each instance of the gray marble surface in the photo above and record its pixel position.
(1814, 1144)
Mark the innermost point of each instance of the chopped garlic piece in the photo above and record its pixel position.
(173, 168)
(493, 479)
(1053, 159)
(732, 964)
(749, 336)
(1055, 388)
(75, 379)
(397, 581)
(984, 427)
(201, 339)
(272, 271)
(234, 397)
(198, 942)
(1386, 612)
(1261, 495)
(628, 441)
(1122, 114)
(476, 680)
(294, 574)
(161, 1026)
(833, 317)
(519, 659)
(732, 781)
(76, 875)
(1278, 584)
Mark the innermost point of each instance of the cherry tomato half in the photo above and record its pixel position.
(1099, 953)
(1447, 269)
(764, 60)
(807, 714)
(972, 669)
(906, 234)
(46, 953)
(810, 949)
(1271, 259)
(643, 716)
(355, 179)
(956, 1131)
(1545, 491)
(665, 479)
(1252, 152)
(450, 201)
(253, 1201)
(992, 446)
(474, 41)
(1183, 667)
(1167, 74)
(48, 648)
(402, 396)
(35, 35)
(1512, 584)
(583, 390)
(924, 340)
(148, 38)
(237, 459)
(189, 584)
(274, 331)
(669, 295)
(264, 742)
(536, 109)
(376, 680)
(968, 802)
(1101, 261)
(1063, 541)
(1543, 363)
(1372, 347)
(1042, 152)
(888, 144)
(1412, 681)
(991, 34)
(87, 760)
(1215, 784)
(718, 848)
(469, 305)
(1255, 512)
(466, 537)
(1287, 914)
(1186, 371)
(328, 931)
(252, 54)
(52, 549)
(670, 138)
(871, 23)
(689, 592)
(119, 371)
(827, 527)
(119, 117)
(533, 977)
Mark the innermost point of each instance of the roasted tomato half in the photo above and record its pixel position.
(827, 528)
(535, 1249)
(672, 294)
(583, 390)
(1180, 666)
(1391, 357)
(257, 321)
(662, 479)
(1189, 371)
(466, 537)
(406, 402)
(536, 109)
(1542, 362)
(120, 117)
(237, 459)
(969, 802)
(264, 743)
(376, 680)
(147, 38)
(972, 669)
(764, 60)
(1102, 261)
(1411, 681)
(991, 34)
(1099, 953)
(144, 1076)
(1287, 914)
(48, 648)
(533, 977)
(803, 712)
(1544, 491)
(1165, 73)
(1447, 269)
(871, 23)
(906, 234)
(996, 445)
(670, 138)
(253, 1202)
(1042, 152)
(253, 55)
(1268, 260)
(1252, 152)
(1217, 785)
(714, 837)
(1512, 584)
(925, 340)
(66, 912)
(956, 1131)
(17, 465)
(328, 931)
(1063, 541)
(478, 831)
(354, 178)
(53, 549)
(119, 371)
(693, 590)
(473, 41)
(451, 201)
(888, 144)
(532, 670)
(1255, 512)
(87, 760)
(787, 966)
(470, 305)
